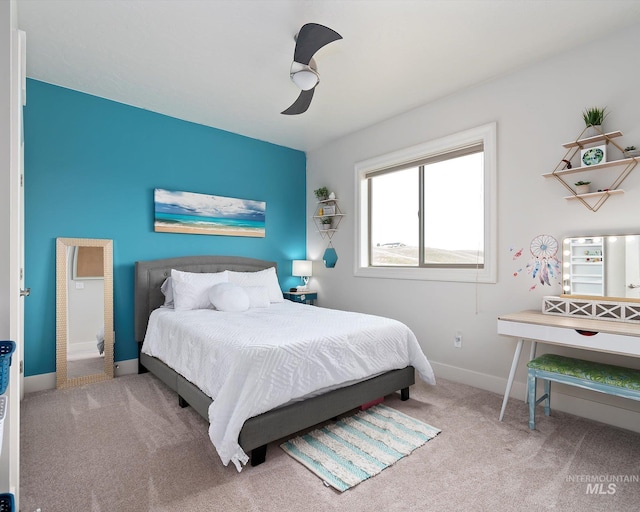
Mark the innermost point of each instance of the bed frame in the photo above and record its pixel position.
(272, 425)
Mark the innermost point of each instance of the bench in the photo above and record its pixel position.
(605, 378)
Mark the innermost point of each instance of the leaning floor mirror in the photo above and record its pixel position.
(84, 311)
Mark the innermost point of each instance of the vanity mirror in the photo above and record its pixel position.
(605, 266)
(84, 311)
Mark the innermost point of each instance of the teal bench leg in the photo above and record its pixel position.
(531, 384)
(547, 392)
(531, 387)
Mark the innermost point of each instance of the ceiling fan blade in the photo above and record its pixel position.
(301, 104)
(311, 38)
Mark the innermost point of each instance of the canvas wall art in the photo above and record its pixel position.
(189, 212)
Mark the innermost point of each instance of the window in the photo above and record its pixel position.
(428, 212)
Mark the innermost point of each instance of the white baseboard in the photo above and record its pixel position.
(46, 381)
(126, 367)
(586, 404)
(40, 382)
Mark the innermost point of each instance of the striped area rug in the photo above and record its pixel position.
(353, 449)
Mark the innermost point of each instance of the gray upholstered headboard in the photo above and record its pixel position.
(149, 276)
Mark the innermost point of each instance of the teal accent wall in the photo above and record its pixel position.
(91, 166)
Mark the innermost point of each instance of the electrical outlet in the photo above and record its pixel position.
(457, 341)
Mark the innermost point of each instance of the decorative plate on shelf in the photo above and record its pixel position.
(593, 156)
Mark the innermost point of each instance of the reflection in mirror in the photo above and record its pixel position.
(84, 311)
(602, 266)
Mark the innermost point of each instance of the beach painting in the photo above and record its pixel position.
(188, 212)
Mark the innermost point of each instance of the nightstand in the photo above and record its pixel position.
(308, 297)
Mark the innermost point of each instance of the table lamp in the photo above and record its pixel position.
(302, 268)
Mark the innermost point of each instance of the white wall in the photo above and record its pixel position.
(537, 109)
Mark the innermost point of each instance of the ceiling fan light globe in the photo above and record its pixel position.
(305, 79)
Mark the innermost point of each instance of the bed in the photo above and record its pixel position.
(281, 421)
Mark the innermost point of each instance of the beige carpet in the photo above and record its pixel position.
(126, 446)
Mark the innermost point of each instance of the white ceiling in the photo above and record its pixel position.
(225, 63)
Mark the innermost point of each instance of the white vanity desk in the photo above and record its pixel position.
(612, 337)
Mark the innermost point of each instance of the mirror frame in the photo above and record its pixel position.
(604, 298)
(62, 317)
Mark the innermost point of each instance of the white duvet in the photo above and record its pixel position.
(257, 360)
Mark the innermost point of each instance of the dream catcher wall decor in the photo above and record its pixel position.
(543, 267)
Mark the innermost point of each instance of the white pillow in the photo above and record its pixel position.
(191, 289)
(167, 291)
(266, 277)
(258, 296)
(228, 297)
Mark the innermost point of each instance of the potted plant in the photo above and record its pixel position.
(326, 223)
(582, 187)
(594, 117)
(322, 193)
(631, 152)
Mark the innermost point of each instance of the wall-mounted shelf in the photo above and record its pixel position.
(593, 200)
(613, 163)
(321, 214)
(591, 195)
(587, 141)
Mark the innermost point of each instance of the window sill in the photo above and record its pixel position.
(428, 274)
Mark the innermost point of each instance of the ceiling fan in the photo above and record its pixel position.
(304, 71)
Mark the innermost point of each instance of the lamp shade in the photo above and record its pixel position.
(302, 268)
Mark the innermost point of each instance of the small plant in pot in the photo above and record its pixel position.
(582, 187)
(594, 116)
(326, 222)
(322, 193)
(631, 152)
